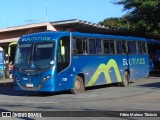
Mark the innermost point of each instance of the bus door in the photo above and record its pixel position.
(63, 63)
(11, 51)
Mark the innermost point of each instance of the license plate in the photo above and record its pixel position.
(29, 85)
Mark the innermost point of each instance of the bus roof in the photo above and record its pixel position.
(46, 36)
(107, 36)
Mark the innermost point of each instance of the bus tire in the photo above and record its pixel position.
(125, 81)
(78, 85)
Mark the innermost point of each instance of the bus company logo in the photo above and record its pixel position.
(40, 38)
(35, 39)
(32, 65)
(102, 68)
(134, 61)
(25, 39)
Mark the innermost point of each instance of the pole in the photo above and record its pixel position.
(46, 11)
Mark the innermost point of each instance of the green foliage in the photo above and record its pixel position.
(143, 17)
(116, 23)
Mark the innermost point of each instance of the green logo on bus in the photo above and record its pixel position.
(102, 68)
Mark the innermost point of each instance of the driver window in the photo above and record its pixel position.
(63, 53)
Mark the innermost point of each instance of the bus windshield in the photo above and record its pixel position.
(35, 55)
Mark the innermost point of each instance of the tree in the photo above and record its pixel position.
(144, 15)
(116, 23)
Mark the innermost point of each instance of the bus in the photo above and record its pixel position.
(154, 55)
(2, 64)
(58, 61)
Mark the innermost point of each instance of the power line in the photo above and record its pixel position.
(30, 21)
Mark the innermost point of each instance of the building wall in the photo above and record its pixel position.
(11, 36)
(19, 33)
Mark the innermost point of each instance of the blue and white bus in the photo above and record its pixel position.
(154, 55)
(57, 61)
(2, 64)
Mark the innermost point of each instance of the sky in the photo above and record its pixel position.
(22, 12)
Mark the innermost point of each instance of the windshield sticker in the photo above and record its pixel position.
(45, 46)
(25, 45)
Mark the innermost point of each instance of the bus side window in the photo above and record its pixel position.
(111, 47)
(85, 46)
(92, 46)
(124, 48)
(79, 46)
(98, 46)
(119, 47)
(129, 47)
(106, 46)
(74, 51)
(139, 48)
(143, 48)
(134, 48)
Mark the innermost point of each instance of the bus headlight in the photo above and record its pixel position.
(16, 78)
(46, 78)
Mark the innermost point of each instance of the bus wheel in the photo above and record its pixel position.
(125, 81)
(78, 85)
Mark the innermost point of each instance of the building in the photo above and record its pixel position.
(12, 34)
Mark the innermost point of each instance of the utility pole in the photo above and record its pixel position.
(46, 10)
